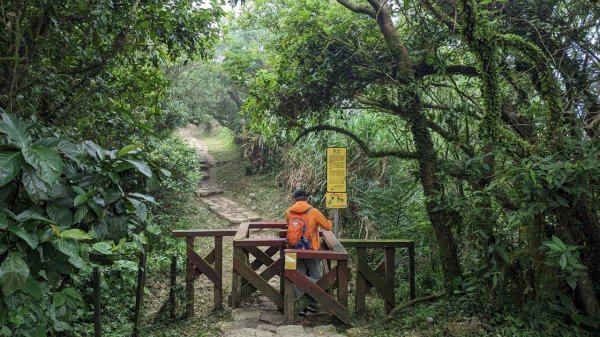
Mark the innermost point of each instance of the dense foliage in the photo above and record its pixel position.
(495, 103)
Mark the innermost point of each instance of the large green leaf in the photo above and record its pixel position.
(10, 162)
(31, 239)
(128, 149)
(141, 166)
(36, 188)
(60, 214)
(13, 273)
(46, 161)
(94, 150)
(16, 129)
(76, 234)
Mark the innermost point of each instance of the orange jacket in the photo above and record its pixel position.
(315, 219)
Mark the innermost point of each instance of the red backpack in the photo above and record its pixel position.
(296, 230)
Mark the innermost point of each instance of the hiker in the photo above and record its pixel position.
(303, 233)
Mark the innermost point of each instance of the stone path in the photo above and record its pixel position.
(211, 194)
(270, 323)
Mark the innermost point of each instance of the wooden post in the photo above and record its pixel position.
(97, 305)
(411, 272)
(361, 282)
(139, 293)
(342, 277)
(289, 298)
(236, 279)
(390, 267)
(172, 287)
(218, 296)
(189, 277)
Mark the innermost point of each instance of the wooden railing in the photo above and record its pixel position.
(382, 277)
(269, 255)
(210, 266)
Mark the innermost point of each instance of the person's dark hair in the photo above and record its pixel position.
(300, 194)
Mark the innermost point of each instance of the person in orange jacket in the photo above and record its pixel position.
(316, 219)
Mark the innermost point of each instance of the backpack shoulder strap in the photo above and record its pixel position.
(307, 210)
(304, 228)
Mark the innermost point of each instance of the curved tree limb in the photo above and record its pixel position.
(396, 310)
(368, 152)
(357, 8)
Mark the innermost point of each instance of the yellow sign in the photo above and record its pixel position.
(290, 261)
(336, 169)
(336, 200)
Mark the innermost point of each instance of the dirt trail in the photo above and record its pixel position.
(261, 319)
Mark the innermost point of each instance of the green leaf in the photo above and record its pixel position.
(58, 299)
(11, 162)
(68, 248)
(33, 288)
(13, 273)
(74, 295)
(60, 215)
(16, 129)
(562, 261)
(141, 166)
(94, 149)
(103, 248)
(36, 188)
(146, 197)
(76, 234)
(80, 200)
(558, 242)
(32, 240)
(31, 215)
(128, 149)
(572, 281)
(80, 214)
(46, 161)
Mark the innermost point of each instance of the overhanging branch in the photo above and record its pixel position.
(368, 152)
(358, 9)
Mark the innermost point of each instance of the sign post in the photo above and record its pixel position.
(336, 196)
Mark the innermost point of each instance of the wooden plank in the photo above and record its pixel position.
(318, 254)
(380, 270)
(259, 242)
(269, 252)
(332, 242)
(203, 232)
(266, 274)
(189, 276)
(351, 243)
(210, 259)
(342, 277)
(328, 279)
(242, 232)
(258, 282)
(206, 269)
(382, 288)
(390, 272)
(289, 299)
(411, 272)
(268, 225)
(326, 301)
(360, 291)
(236, 279)
(260, 256)
(218, 263)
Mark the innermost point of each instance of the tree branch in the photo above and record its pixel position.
(358, 9)
(425, 69)
(368, 152)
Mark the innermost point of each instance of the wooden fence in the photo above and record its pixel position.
(268, 252)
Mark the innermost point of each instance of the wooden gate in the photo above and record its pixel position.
(246, 275)
(320, 291)
(382, 277)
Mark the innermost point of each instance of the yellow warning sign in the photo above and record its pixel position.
(336, 169)
(336, 200)
(290, 261)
